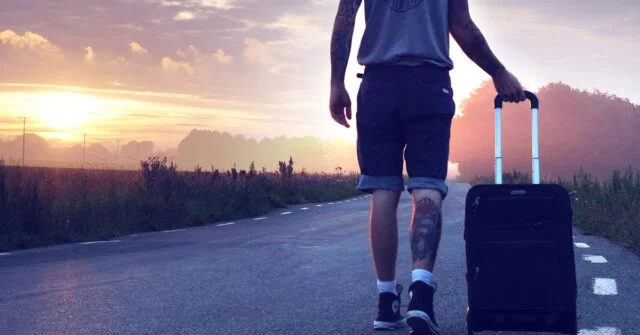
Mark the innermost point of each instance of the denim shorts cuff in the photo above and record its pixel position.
(428, 183)
(368, 184)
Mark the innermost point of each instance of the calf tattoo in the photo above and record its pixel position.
(426, 229)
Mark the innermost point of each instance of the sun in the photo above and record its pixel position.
(65, 111)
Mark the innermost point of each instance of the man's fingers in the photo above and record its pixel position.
(523, 97)
(339, 117)
(349, 112)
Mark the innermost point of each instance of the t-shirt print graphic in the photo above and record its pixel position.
(403, 5)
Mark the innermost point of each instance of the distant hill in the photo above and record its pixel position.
(222, 150)
(594, 130)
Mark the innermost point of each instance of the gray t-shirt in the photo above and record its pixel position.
(406, 32)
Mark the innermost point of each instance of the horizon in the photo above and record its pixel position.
(250, 69)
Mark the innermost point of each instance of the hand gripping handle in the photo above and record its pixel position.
(535, 150)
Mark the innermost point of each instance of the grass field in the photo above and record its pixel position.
(608, 208)
(46, 206)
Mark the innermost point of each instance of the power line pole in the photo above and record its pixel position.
(118, 154)
(84, 146)
(24, 136)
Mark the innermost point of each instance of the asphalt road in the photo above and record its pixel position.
(302, 270)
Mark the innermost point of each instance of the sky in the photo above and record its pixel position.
(156, 69)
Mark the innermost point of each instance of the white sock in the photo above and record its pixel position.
(387, 286)
(422, 275)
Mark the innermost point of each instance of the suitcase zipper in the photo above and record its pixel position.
(476, 204)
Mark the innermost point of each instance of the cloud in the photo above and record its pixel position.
(191, 53)
(257, 52)
(299, 27)
(222, 58)
(171, 65)
(185, 15)
(137, 49)
(219, 4)
(119, 61)
(32, 42)
(89, 55)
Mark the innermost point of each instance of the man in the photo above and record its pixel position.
(405, 105)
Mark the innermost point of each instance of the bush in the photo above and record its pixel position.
(44, 206)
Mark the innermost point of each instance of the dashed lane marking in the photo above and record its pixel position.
(601, 331)
(594, 259)
(260, 219)
(173, 231)
(225, 224)
(331, 203)
(605, 286)
(285, 213)
(582, 245)
(5, 254)
(304, 208)
(319, 205)
(99, 242)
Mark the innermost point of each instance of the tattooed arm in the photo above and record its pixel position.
(475, 46)
(340, 103)
(341, 38)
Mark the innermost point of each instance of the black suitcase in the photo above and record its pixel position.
(519, 245)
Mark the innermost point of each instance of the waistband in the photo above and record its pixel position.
(431, 71)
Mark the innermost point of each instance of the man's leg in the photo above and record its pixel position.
(384, 233)
(426, 228)
(384, 248)
(425, 233)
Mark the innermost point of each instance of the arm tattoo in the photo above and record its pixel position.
(342, 37)
(426, 229)
(470, 38)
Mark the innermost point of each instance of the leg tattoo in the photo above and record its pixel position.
(426, 229)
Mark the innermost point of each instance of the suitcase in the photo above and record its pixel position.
(519, 246)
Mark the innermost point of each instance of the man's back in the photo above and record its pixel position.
(406, 32)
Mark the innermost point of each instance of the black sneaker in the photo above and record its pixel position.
(420, 315)
(389, 317)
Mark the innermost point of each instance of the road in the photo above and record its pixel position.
(301, 270)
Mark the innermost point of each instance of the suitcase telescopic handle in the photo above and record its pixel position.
(535, 150)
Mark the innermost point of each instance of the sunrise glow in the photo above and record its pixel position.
(66, 111)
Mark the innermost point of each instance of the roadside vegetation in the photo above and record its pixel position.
(46, 206)
(608, 208)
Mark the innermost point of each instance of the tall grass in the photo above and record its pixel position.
(608, 208)
(44, 206)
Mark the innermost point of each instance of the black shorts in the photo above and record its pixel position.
(404, 110)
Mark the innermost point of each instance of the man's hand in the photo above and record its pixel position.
(340, 104)
(508, 86)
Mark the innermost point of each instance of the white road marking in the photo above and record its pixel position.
(5, 254)
(99, 242)
(304, 208)
(605, 286)
(319, 205)
(594, 259)
(601, 331)
(225, 224)
(259, 219)
(582, 245)
(339, 202)
(133, 235)
(331, 203)
(173, 231)
(285, 213)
